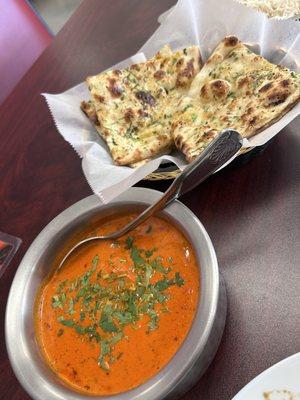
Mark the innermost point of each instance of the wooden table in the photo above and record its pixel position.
(251, 212)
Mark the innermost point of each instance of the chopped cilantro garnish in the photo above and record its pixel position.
(61, 286)
(148, 274)
(153, 320)
(163, 284)
(136, 257)
(56, 303)
(178, 280)
(95, 260)
(124, 317)
(100, 303)
(106, 322)
(116, 338)
(105, 350)
(67, 322)
(129, 242)
(149, 253)
(82, 316)
(71, 310)
(79, 329)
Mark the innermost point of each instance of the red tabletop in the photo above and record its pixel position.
(251, 212)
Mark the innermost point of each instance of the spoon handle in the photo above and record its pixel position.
(221, 150)
(216, 154)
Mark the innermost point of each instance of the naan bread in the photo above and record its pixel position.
(89, 110)
(134, 107)
(235, 89)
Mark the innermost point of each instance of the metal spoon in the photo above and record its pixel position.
(222, 149)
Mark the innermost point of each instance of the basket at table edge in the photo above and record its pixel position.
(165, 175)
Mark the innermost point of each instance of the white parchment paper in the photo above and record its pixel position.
(200, 22)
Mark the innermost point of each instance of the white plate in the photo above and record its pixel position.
(279, 382)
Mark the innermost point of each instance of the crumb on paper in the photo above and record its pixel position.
(281, 395)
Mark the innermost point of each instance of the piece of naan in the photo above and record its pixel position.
(134, 107)
(235, 89)
(89, 110)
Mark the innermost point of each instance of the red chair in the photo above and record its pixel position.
(23, 37)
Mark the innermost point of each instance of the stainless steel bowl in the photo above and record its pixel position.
(193, 357)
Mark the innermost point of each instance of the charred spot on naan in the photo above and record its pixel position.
(215, 89)
(230, 41)
(186, 74)
(89, 110)
(129, 115)
(114, 88)
(245, 82)
(145, 97)
(159, 74)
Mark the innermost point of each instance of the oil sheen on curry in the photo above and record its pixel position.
(119, 310)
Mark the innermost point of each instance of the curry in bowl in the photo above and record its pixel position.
(118, 311)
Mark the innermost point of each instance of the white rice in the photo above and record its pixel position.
(282, 9)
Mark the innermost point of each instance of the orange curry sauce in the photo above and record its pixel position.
(119, 310)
